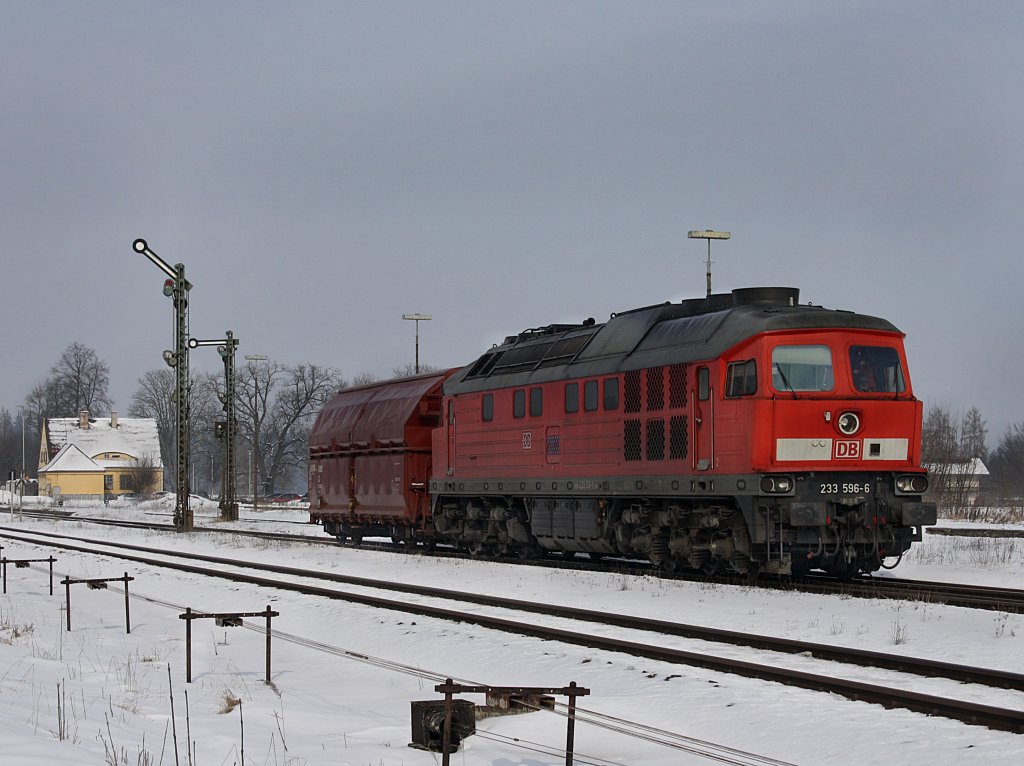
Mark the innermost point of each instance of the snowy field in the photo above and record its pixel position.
(97, 695)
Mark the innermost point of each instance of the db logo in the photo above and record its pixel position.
(847, 449)
(527, 440)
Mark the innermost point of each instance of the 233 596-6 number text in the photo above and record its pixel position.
(836, 488)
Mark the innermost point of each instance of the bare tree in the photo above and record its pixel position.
(974, 434)
(949, 446)
(143, 475)
(254, 389)
(153, 399)
(1007, 465)
(10, 443)
(409, 369)
(364, 379)
(276, 405)
(80, 380)
(305, 389)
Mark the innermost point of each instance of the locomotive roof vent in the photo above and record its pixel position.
(766, 296)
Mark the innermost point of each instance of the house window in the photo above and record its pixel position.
(108, 482)
(127, 481)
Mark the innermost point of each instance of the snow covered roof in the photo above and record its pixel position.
(134, 437)
(71, 459)
(973, 467)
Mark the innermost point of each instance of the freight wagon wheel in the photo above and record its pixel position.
(357, 537)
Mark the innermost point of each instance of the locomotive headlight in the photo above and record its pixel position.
(848, 423)
(911, 484)
(776, 485)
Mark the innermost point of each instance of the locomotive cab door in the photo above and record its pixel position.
(704, 422)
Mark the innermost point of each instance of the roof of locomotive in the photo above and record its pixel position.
(669, 333)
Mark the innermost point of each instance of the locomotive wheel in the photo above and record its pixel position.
(480, 549)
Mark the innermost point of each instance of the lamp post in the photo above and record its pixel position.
(23, 474)
(255, 430)
(226, 348)
(176, 287)
(417, 318)
(709, 235)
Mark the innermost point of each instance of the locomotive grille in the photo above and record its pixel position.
(655, 389)
(632, 445)
(656, 439)
(677, 438)
(677, 386)
(631, 394)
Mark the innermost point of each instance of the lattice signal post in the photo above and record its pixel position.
(177, 288)
(227, 429)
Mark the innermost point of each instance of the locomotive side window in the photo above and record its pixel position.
(519, 404)
(802, 368)
(572, 397)
(611, 393)
(703, 384)
(536, 402)
(741, 379)
(590, 396)
(876, 369)
(487, 412)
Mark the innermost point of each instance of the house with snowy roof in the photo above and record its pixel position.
(99, 458)
(953, 484)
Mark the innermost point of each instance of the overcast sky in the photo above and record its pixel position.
(322, 168)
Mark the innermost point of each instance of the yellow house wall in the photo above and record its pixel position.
(71, 483)
(157, 485)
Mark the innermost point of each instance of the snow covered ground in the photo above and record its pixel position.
(98, 695)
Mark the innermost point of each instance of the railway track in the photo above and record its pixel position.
(950, 594)
(241, 571)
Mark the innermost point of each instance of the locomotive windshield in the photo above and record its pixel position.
(876, 369)
(802, 368)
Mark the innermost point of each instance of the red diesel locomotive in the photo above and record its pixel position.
(741, 432)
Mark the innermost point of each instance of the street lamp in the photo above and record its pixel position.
(177, 288)
(226, 348)
(417, 318)
(709, 235)
(255, 431)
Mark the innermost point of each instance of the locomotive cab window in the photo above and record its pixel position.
(487, 412)
(519, 404)
(802, 368)
(741, 379)
(572, 397)
(876, 369)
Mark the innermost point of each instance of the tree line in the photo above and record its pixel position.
(275, 405)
